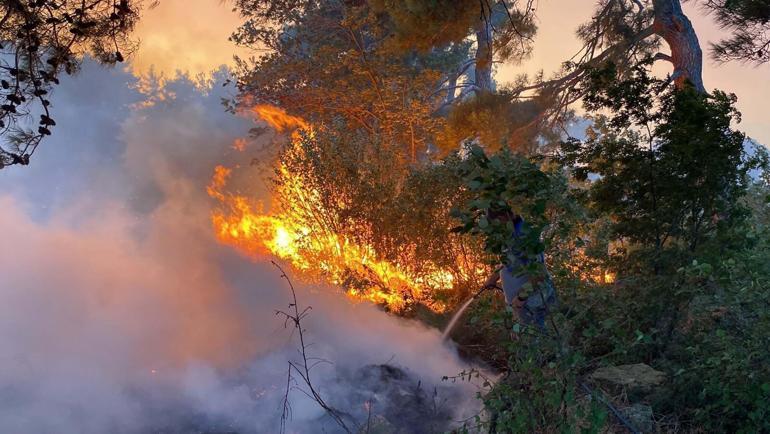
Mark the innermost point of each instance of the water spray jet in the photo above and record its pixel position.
(456, 317)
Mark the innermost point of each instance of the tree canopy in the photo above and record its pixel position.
(748, 22)
(446, 53)
(343, 58)
(39, 41)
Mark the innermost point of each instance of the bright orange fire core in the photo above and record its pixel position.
(313, 251)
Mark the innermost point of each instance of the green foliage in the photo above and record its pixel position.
(674, 212)
(538, 390)
(748, 21)
(507, 184)
(704, 325)
(670, 169)
(718, 355)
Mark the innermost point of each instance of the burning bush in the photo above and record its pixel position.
(354, 212)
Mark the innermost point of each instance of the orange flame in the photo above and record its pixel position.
(313, 251)
(239, 144)
(278, 118)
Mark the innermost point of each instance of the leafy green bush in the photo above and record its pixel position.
(720, 358)
(674, 214)
(670, 170)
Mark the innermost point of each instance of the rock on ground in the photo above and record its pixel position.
(639, 377)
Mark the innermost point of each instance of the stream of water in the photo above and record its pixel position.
(455, 318)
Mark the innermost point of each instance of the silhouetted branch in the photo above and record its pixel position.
(302, 369)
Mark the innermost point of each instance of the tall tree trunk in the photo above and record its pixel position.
(483, 70)
(676, 29)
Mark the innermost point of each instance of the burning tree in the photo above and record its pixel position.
(348, 212)
(361, 196)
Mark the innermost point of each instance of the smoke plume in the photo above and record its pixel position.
(120, 313)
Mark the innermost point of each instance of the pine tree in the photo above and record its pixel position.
(42, 39)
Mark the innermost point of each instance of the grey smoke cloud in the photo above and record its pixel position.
(120, 313)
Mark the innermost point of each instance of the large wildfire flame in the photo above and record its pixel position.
(241, 222)
(318, 254)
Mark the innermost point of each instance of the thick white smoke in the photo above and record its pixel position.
(120, 313)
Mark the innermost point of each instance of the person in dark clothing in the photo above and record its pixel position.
(529, 297)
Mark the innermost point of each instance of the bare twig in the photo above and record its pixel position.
(286, 410)
(302, 368)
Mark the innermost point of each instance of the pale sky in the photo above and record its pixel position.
(185, 35)
(556, 42)
(191, 36)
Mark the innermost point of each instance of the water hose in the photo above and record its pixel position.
(484, 288)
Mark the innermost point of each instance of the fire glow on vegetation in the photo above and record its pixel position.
(589, 270)
(311, 249)
(317, 253)
(608, 277)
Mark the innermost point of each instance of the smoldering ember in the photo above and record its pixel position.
(377, 216)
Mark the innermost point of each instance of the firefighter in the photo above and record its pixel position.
(529, 296)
